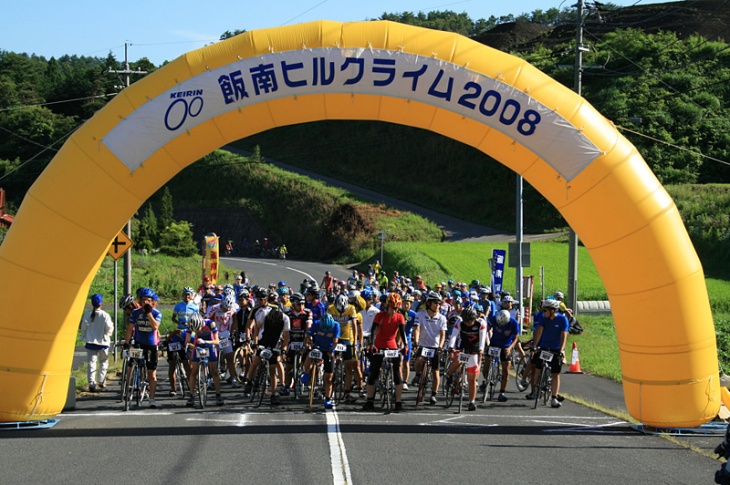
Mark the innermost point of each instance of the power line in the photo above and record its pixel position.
(694, 152)
(12, 108)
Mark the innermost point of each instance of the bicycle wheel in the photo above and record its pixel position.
(123, 380)
(128, 388)
(201, 384)
(495, 377)
(548, 388)
(181, 378)
(520, 374)
(423, 382)
(138, 385)
(450, 389)
(261, 383)
(462, 385)
(389, 389)
(297, 372)
(339, 380)
(487, 372)
(541, 384)
(241, 361)
(312, 384)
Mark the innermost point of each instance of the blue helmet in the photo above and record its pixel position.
(145, 293)
(327, 323)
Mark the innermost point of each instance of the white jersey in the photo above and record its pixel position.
(430, 328)
(368, 315)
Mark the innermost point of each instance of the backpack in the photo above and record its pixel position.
(275, 318)
(575, 327)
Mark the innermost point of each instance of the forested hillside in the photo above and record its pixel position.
(661, 73)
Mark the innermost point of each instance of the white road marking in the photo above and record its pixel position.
(301, 272)
(338, 455)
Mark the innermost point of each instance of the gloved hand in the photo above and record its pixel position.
(147, 308)
(125, 346)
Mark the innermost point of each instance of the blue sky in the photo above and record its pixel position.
(163, 30)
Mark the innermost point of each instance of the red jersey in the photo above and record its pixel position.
(387, 329)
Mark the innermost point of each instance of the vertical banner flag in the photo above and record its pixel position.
(498, 256)
(210, 257)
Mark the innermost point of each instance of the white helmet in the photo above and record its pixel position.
(502, 318)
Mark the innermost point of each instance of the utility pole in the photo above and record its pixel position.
(572, 296)
(128, 230)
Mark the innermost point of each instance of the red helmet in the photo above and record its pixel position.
(394, 300)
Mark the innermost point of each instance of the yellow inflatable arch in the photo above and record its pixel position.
(384, 71)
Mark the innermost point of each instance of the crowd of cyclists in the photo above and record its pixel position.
(449, 325)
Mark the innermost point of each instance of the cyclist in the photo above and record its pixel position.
(313, 303)
(180, 314)
(504, 333)
(469, 336)
(551, 333)
(274, 326)
(410, 317)
(283, 293)
(346, 315)
(143, 324)
(203, 333)
(324, 336)
(430, 333)
(387, 327)
(223, 314)
(242, 314)
(300, 321)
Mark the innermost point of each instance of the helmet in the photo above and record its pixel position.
(457, 301)
(507, 299)
(195, 322)
(145, 293)
(366, 294)
(502, 318)
(262, 293)
(228, 302)
(283, 291)
(456, 293)
(281, 284)
(125, 301)
(433, 296)
(353, 294)
(558, 295)
(394, 300)
(341, 302)
(244, 293)
(297, 298)
(188, 291)
(408, 297)
(476, 283)
(551, 304)
(468, 314)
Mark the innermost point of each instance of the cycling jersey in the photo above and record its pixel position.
(143, 332)
(322, 339)
(223, 318)
(388, 326)
(207, 332)
(345, 320)
(430, 328)
(318, 309)
(368, 315)
(552, 331)
(470, 338)
(299, 323)
(183, 310)
(271, 331)
(503, 336)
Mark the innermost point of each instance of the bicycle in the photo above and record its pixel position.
(338, 377)
(297, 368)
(385, 383)
(544, 385)
(261, 379)
(519, 364)
(201, 383)
(242, 355)
(316, 359)
(458, 382)
(493, 376)
(423, 383)
(181, 378)
(136, 378)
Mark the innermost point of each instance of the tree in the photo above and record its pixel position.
(166, 211)
(177, 240)
(148, 232)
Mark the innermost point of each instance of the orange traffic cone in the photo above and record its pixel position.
(575, 361)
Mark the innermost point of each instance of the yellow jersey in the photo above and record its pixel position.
(345, 320)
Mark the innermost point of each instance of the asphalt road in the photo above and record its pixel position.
(498, 443)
